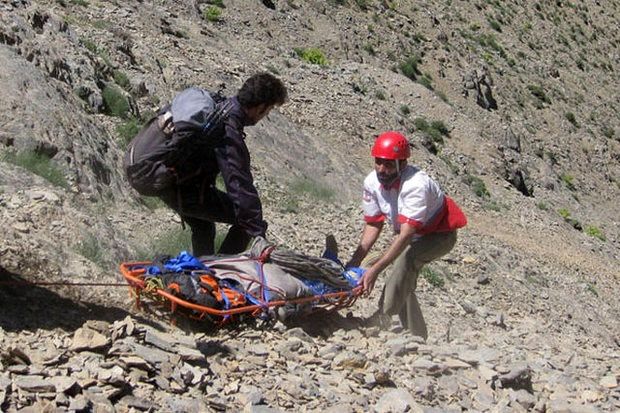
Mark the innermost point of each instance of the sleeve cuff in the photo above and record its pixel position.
(410, 221)
(376, 218)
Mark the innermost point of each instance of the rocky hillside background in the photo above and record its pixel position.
(512, 106)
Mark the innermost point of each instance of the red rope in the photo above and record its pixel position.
(63, 283)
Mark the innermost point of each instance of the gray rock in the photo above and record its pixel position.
(151, 355)
(524, 398)
(162, 341)
(88, 339)
(5, 384)
(396, 401)
(136, 403)
(34, 384)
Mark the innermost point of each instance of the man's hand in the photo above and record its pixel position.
(368, 280)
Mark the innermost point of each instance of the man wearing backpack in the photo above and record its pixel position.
(424, 219)
(180, 152)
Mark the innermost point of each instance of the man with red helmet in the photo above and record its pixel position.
(424, 219)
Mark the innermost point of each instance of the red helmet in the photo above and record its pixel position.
(391, 145)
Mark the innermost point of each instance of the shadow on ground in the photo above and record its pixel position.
(25, 306)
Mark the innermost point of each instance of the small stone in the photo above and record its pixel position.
(483, 279)
(609, 382)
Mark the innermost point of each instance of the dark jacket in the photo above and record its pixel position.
(231, 158)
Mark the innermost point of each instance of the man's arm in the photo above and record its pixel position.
(233, 160)
(395, 249)
(370, 234)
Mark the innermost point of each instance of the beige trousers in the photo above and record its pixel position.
(399, 292)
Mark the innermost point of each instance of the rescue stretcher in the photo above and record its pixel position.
(256, 305)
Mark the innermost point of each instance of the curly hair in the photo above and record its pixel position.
(262, 88)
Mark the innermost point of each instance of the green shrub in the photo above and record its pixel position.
(435, 130)
(570, 116)
(409, 67)
(315, 189)
(426, 81)
(369, 49)
(379, 94)
(90, 45)
(539, 93)
(595, 232)
(404, 109)
(312, 55)
(212, 14)
(542, 206)
(115, 102)
(38, 164)
(568, 181)
(477, 185)
(79, 2)
(128, 130)
(494, 24)
(218, 3)
(122, 80)
(362, 4)
(565, 214)
(433, 277)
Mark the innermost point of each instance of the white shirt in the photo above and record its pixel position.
(415, 199)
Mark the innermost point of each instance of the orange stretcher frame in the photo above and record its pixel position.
(134, 275)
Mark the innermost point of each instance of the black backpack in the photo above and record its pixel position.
(156, 158)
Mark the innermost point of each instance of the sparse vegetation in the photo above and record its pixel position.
(38, 164)
(608, 131)
(570, 116)
(565, 214)
(212, 13)
(592, 289)
(152, 202)
(115, 102)
(89, 248)
(595, 232)
(312, 55)
(568, 181)
(369, 49)
(128, 130)
(121, 79)
(477, 185)
(435, 130)
(433, 277)
(409, 67)
(540, 95)
(314, 189)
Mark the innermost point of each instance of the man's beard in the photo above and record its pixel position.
(387, 179)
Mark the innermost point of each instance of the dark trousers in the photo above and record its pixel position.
(201, 209)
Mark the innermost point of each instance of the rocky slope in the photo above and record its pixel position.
(523, 314)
